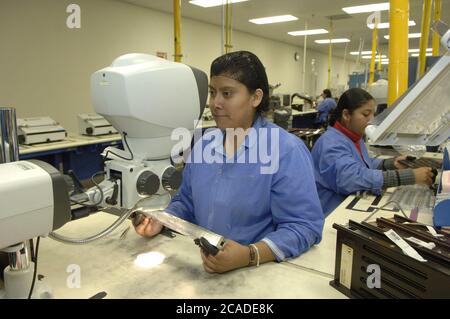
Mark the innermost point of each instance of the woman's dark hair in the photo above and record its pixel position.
(244, 67)
(327, 93)
(350, 100)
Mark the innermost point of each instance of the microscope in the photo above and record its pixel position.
(145, 98)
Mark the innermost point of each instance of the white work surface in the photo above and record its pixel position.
(108, 265)
(321, 258)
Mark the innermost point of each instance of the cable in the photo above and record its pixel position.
(87, 240)
(129, 150)
(119, 156)
(35, 268)
(99, 188)
(32, 250)
(105, 232)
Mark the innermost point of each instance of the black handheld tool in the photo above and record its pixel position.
(435, 173)
(206, 246)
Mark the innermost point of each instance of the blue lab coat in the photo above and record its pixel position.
(237, 201)
(323, 109)
(340, 170)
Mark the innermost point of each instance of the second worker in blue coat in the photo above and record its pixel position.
(341, 161)
(325, 107)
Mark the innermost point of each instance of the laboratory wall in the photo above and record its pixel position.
(45, 66)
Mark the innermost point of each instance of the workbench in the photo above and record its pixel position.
(304, 119)
(109, 265)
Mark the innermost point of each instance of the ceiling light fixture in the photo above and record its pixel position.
(307, 32)
(327, 41)
(417, 54)
(274, 19)
(367, 8)
(362, 52)
(411, 36)
(385, 25)
(212, 3)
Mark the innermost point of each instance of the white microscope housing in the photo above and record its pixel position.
(35, 201)
(145, 98)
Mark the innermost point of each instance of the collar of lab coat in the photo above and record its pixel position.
(249, 141)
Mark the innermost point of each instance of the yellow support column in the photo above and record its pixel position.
(228, 28)
(177, 29)
(379, 63)
(374, 53)
(437, 16)
(330, 54)
(426, 17)
(398, 49)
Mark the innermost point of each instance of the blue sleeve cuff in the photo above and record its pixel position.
(378, 182)
(376, 163)
(279, 255)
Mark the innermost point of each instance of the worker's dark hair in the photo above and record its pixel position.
(245, 67)
(350, 100)
(327, 93)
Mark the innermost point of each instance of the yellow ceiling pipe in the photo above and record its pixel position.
(228, 18)
(437, 17)
(379, 63)
(398, 49)
(374, 52)
(426, 17)
(177, 29)
(329, 54)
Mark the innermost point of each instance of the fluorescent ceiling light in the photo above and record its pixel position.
(367, 8)
(384, 62)
(411, 36)
(275, 19)
(308, 32)
(418, 50)
(376, 56)
(385, 25)
(212, 3)
(427, 54)
(326, 41)
(362, 52)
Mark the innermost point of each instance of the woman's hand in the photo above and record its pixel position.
(148, 227)
(233, 256)
(397, 163)
(424, 175)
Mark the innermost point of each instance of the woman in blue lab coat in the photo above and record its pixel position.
(342, 163)
(325, 107)
(267, 208)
